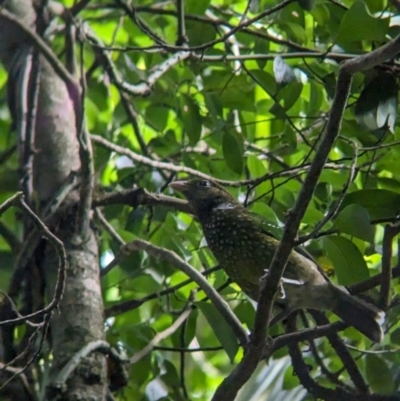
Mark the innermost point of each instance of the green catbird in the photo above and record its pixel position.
(244, 248)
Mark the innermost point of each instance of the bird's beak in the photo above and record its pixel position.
(179, 185)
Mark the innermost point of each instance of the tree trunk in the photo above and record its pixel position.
(55, 155)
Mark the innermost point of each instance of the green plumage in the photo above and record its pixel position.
(244, 248)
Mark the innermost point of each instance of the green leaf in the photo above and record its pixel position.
(380, 203)
(323, 191)
(329, 81)
(245, 313)
(255, 166)
(306, 4)
(267, 219)
(289, 94)
(239, 98)
(358, 25)
(278, 111)
(135, 220)
(265, 80)
(290, 379)
(190, 328)
(354, 220)
(233, 92)
(199, 32)
(321, 14)
(196, 7)
(98, 94)
(375, 5)
(7, 260)
(165, 145)
(171, 375)
(295, 31)
(91, 113)
(316, 98)
(232, 150)
(213, 105)
(191, 119)
(157, 116)
(378, 374)
(350, 266)
(395, 336)
(221, 329)
(257, 169)
(312, 216)
(261, 47)
(9, 180)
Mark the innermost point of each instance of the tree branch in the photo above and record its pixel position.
(160, 336)
(302, 371)
(140, 196)
(198, 278)
(18, 200)
(40, 44)
(130, 304)
(348, 362)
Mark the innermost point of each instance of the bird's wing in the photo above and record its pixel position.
(273, 230)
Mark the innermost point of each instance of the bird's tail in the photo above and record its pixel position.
(366, 318)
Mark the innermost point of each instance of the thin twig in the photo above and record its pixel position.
(343, 353)
(131, 12)
(145, 87)
(126, 306)
(257, 33)
(108, 227)
(335, 210)
(332, 377)
(87, 349)
(133, 119)
(139, 196)
(135, 157)
(160, 336)
(18, 200)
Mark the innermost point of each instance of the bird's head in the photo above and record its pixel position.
(204, 195)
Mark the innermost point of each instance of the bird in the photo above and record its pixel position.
(244, 247)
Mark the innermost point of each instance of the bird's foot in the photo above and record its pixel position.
(285, 280)
(280, 291)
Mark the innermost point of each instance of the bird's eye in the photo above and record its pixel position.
(204, 183)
